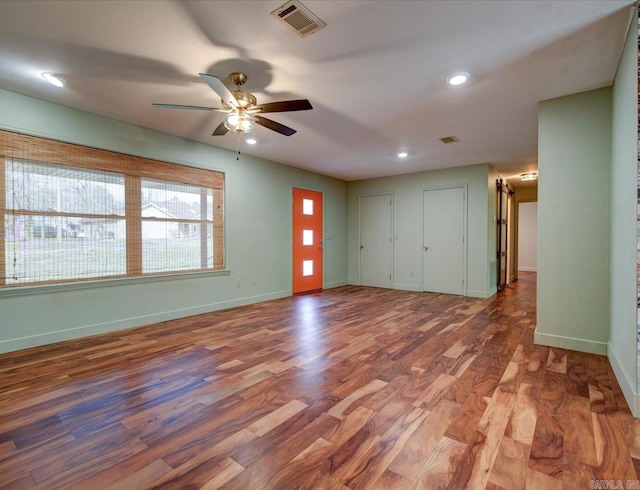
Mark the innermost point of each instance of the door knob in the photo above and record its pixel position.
(361, 247)
(426, 248)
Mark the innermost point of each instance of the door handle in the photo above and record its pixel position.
(361, 247)
(426, 248)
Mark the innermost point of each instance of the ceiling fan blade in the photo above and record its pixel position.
(274, 126)
(286, 106)
(220, 88)
(190, 107)
(221, 130)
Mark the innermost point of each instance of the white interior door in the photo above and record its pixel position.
(375, 240)
(443, 242)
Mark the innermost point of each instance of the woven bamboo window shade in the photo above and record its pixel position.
(70, 213)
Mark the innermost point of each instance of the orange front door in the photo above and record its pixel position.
(307, 240)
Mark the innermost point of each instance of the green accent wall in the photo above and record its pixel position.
(574, 233)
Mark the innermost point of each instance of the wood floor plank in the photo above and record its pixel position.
(205, 463)
(391, 481)
(435, 392)
(577, 379)
(411, 459)
(522, 422)
(390, 445)
(301, 470)
(277, 417)
(510, 467)
(536, 481)
(350, 424)
(227, 469)
(353, 387)
(481, 452)
(372, 387)
(84, 457)
(463, 426)
(142, 477)
(17, 482)
(547, 447)
(612, 453)
(439, 467)
(581, 446)
(631, 429)
(557, 360)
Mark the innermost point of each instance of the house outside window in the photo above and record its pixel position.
(71, 213)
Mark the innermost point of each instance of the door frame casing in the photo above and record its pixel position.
(391, 228)
(465, 189)
(291, 187)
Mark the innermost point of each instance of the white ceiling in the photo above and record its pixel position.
(375, 75)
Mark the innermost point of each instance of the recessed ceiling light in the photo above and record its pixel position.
(53, 79)
(403, 154)
(529, 176)
(251, 141)
(458, 78)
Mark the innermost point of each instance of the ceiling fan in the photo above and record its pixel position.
(241, 107)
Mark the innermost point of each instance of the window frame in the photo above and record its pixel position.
(134, 169)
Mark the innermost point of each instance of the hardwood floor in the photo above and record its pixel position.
(350, 388)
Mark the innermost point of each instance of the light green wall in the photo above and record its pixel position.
(407, 193)
(258, 231)
(622, 345)
(574, 165)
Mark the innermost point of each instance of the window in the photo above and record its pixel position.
(307, 207)
(70, 213)
(307, 237)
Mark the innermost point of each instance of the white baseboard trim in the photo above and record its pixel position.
(20, 343)
(336, 284)
(481, 294)
(626, 381)
(407, 287)
(527, 269)
(591, 346)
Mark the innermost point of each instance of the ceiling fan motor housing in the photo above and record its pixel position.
(245, 99)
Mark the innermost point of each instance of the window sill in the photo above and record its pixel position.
(102, 283)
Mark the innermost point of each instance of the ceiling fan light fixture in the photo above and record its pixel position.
(53, 79)
(239, 122)
(458, 78)
(403, 154)
(529, 176)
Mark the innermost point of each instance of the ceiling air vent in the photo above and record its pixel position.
(449, 139)
(298, 18)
